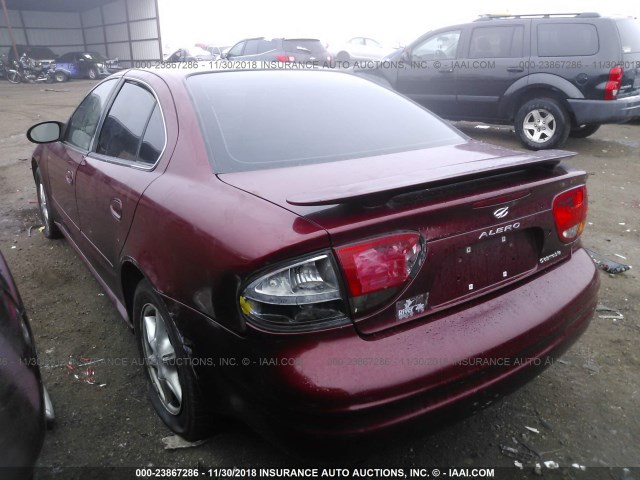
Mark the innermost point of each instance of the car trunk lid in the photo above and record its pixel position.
(486, 219)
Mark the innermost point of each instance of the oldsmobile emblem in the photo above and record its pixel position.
(501, 212)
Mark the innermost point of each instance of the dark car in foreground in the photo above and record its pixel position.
(89, 65)
(24, 403)
(324, 273)
(285, 50)
(551, 76)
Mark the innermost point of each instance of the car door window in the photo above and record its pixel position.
(442, 46)
(496, 42)
(372, 43)
(84, 121)
(126, 122)
(251, 47)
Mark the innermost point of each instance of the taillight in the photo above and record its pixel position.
(285, 58)
(570, 213)
(612, 87)
(376, 269)
(304, 295)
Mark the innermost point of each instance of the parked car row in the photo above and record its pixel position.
(60, 68)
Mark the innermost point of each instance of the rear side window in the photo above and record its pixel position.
(125, 125)
(268, 119)
(629, 35)
(84, 121)
(567, 39)
(303, 45)
(154, 138)
(496, 42)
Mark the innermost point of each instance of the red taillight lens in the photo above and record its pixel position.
(285, 58)
(570, 213)
(379, 265)
(612, 87)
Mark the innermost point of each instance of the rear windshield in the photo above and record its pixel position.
(629, 35)
(303, 44)
(256, 120)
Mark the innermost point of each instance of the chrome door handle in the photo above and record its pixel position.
(69, 177)
(116, 208)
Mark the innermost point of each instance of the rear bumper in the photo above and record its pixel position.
(605, 111)
(331, 387)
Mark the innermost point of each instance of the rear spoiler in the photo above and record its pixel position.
(429, 178)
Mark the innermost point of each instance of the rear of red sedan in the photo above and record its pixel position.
(443, 272)
(324, 258)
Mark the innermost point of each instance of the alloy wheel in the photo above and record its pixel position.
(160, 359)
(539, 125)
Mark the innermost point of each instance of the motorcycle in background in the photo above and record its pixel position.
(28, 70)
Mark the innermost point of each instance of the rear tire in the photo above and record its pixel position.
(542, 123)
(60, 77)
(44, 207)
(584, 131)
(343, 57)
(173, 388)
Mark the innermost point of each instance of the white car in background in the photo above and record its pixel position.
(360, 48)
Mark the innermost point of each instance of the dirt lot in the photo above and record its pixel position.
(586, 408)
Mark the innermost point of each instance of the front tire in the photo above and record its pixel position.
(92, 74)
(14, 77)
(172, 385)
(44, 207)
(542, 123)
(584, 131)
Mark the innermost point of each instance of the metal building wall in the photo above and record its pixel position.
(127, 29)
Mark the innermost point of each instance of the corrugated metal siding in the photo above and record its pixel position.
(145, 30)
(94, 35)
(67, 48)
(5, 40)
(99, 48)
(120, 50)
(146, 50)
(141, 9)
(87, 30)
(92, 18)
(52, 38)
(51, 19)
(115, 12)
(117, 33)
(14, 18)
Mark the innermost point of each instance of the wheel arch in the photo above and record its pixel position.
(538, 85)
(130, 276)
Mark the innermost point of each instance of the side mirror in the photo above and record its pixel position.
(45, 132)
(406, 55)
(224, 55)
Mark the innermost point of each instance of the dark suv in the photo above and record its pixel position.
(288, 50)
(550, 75)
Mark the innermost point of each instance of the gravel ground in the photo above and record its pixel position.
(586, 408)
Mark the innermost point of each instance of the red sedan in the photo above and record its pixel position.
(314, 253)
